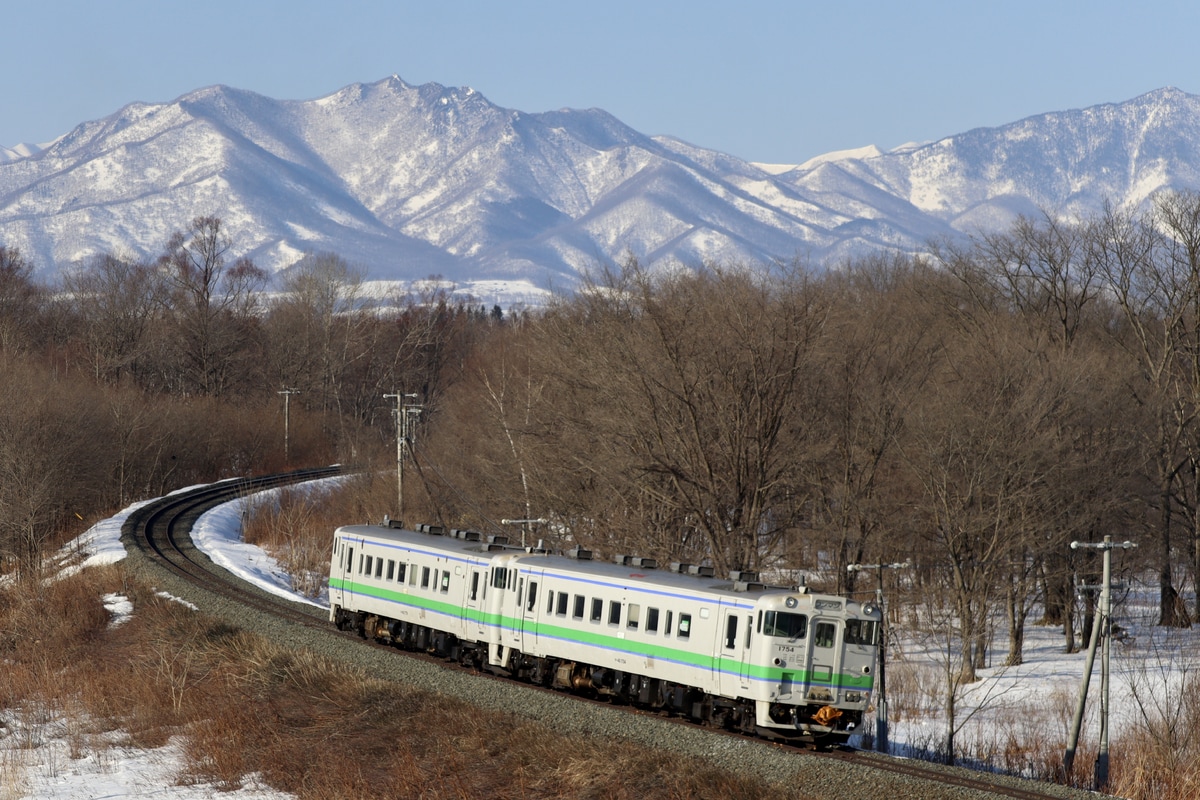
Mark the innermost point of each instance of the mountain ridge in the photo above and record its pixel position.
(411, 181)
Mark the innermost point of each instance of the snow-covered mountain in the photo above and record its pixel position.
(411, 181)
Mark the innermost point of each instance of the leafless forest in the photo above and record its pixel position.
(974, 409)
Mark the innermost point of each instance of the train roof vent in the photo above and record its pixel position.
(743, 576)
(580, 554)
(393, 523)
(748, 586)
(644, 563)
(497, 538)
(703, 572)
(432, 530)
(492, 547)
(680, 567)
(469, 536)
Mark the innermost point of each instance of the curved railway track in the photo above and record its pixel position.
(161, 530)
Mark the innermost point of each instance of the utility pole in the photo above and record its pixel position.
(881, 718)
(1102, 630)
(404, 410)
(287, 397)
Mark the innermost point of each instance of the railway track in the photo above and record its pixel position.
(161, 531)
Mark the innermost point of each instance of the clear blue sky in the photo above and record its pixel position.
(774, 81)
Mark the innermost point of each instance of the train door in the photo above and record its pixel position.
(529, 591)
(825, 655)
(734, 651)
(344, 571)
(474, 609)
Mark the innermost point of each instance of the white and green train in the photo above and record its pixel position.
(772, 661)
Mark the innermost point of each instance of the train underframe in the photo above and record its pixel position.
(823, 725)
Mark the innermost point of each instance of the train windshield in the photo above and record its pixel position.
(783, 624)
(862, 631)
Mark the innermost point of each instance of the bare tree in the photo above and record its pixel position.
(115, 299)
(212, 303)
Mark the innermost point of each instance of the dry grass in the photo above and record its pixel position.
(305, 725)
(297, 527)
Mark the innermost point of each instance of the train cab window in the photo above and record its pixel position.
(400, 572)
(635, 616)
(861, 631)
(824, 634)
(499, 578)
(562, 604)
(614, 612)
(391, 575)
(651, 620)
(532, 595)
(785, 625)
(731, 623)
(597, 609)
(474, 585)
(667, 630)
(685, 626)
(445, 581)
(424, 577)
(577, 612)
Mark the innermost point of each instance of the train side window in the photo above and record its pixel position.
(731, 631)
(474, 586)
(370, 563)
(562, 604)
(667, 631)
(825, 634)
(532, 595)
(350, 560)
(391, 570)
(424, 577)
(651, 620)
(400, 568)
(614, 612)
(577, 612)
(360, 563)
(597, 609)
(499, 578)
(685, 626)
(412, 576)
(635, 616)
(749, 629)
(550, 602)
(445, 581)
(379, 568)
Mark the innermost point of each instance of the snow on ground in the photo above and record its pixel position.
(43, 758)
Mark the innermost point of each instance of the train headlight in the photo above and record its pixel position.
(870, 609)
(791, 602)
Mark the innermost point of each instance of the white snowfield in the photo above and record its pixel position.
(1032, 701)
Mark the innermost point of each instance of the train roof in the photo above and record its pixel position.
(687, 577)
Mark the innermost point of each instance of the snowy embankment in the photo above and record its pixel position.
(39, 756)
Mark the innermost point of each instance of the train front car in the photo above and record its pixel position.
(816, 659)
